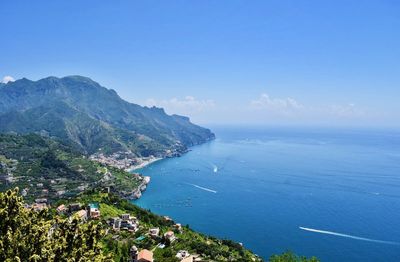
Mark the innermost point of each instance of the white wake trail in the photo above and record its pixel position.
(204, 188)
(215, 168)
(348, 236)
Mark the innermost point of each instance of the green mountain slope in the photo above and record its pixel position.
(81, 111)
(43, 167)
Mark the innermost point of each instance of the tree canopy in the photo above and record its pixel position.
(28, 235)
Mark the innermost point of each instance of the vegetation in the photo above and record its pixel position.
(26, 235)
(44, 167)
(290, 257)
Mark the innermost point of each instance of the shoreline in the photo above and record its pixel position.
(143, 164)
(146, 179)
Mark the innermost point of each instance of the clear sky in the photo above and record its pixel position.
(239, 62)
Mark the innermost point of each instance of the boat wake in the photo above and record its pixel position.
(204, 188)
(348, 236)
(215, 168)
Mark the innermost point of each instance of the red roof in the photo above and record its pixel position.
(145, 256)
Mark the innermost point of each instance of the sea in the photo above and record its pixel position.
(333, 193)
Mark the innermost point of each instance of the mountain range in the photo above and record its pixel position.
(80, 111)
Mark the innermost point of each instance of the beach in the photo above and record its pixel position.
(145, 162)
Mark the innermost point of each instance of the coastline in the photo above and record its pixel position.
(143, 164)
(146, 179)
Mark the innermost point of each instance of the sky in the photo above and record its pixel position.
(300, 62)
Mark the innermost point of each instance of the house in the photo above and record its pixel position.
(170, 236)
(61, 209)
(124, 222)
(182, 254)
(125, 217)
(81, 215)
(94, 210)
(39, 206)
(188, 259)
(129, 225)
(145, 256)
(115, 223)
(154, 232)
(74, 207)
(41, 200)
(178, 227)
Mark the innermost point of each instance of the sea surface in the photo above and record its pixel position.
(332, 193)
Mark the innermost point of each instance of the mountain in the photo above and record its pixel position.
(79, 110)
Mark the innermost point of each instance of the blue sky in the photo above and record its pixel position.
(238, 62)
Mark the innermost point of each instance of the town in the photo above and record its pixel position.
(124, 160)
(125, 224)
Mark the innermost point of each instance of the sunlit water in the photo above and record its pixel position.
(334, 194)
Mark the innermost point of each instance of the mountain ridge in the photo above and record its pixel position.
(80, 110)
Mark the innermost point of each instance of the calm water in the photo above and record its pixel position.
(259, 186)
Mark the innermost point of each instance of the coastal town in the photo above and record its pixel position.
(124, 225)
(53, 179)
(125, 160)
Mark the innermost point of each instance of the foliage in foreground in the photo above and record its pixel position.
(26, 235)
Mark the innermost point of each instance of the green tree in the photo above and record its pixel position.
(27, 235)
(290, 257)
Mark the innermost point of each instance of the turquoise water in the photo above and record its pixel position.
(334, 194)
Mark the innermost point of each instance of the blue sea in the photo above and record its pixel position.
(331, 193)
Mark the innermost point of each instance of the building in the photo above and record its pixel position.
(145, 256)
(170, 236)
(41, 200)
(182, 254)
(94, 210)
(61, 209)
(178, 227)
(39, 206)
(74, 207)
(154, 232)
(81, 215)
(167, 218)
(129, 225)
(116, 224)
(188, 259)
(124, 222)
(125, 217)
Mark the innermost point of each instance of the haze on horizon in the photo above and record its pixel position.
(314, 62)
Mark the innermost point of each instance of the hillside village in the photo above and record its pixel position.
(46, 168)
(150, 237)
